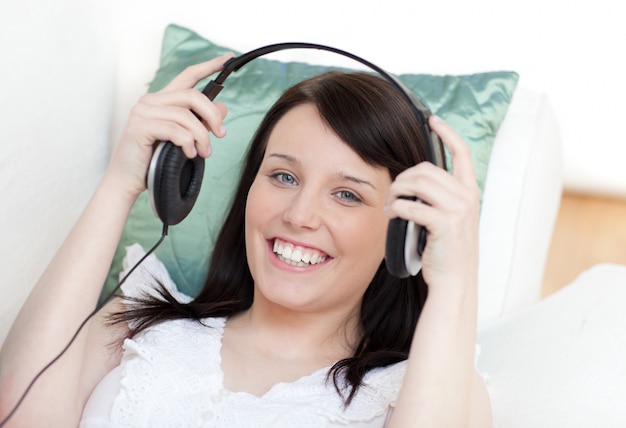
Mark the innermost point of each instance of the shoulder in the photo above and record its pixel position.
(144, 278)
(391, 372)
(183, 336)
(174, 351)
(383, 383)
(378, 394)
(375, 398)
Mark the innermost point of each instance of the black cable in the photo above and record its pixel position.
(91, 315)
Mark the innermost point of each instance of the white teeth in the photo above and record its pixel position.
(292, 262)
(296, 256)
(287, 252)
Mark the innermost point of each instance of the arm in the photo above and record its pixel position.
(441, 387)
(69, 288)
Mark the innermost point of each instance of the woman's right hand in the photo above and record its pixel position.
(167, 115)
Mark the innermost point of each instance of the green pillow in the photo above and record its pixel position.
(474, 105)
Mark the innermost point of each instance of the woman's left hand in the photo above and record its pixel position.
(448, 207)
(441, 387)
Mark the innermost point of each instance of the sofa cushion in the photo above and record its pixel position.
(474, 105)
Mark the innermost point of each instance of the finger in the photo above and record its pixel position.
(221, 107)
(148, 131)
(440, 208)
(190, 76)
(206, 116)
(462, 164)
(424, 181)
(211, 114)
(190, 99)
(407, 209)
(182, 117)
(434, 187)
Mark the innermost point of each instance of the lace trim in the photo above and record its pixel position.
(146, 277)
(169, 382)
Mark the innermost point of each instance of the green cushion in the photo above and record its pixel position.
(474, 105)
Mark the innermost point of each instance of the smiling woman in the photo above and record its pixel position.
(299, 322)
(321, 208)
(310, 148)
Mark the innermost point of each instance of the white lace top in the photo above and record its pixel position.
(170, 376)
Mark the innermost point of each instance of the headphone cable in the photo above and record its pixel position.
(91, 315)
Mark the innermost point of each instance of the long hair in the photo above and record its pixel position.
(369, 115)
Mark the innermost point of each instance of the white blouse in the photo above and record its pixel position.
(171, 376)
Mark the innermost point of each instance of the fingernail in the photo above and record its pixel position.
(222, 130)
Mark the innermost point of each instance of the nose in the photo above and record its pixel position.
(304, 210)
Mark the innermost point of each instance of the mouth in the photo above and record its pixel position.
(296, 255)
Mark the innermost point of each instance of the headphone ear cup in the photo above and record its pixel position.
(394, 247)
(174, 182)
(404, 247)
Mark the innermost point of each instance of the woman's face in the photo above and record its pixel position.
(315, 226)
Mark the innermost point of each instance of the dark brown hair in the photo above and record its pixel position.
(375, 120)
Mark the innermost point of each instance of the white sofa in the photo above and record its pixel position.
(74, 69)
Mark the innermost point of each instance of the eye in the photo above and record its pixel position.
(284, 178)
(348, 196)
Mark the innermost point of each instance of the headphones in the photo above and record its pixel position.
(174, 181)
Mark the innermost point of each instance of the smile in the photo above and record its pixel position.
(296, 255)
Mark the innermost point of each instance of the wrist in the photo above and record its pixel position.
(117, 191)
(120, 183)
(453, 293)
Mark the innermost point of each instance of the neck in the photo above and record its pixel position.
(293, 334)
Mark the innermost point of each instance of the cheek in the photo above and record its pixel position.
(254, 218)
(256, 210)
(365, 237)
(365, 243)
(262, 208)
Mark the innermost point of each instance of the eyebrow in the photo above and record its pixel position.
(341, 175)
(288, 158)
(355, 180)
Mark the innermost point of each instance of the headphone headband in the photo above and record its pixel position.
(434, 150)
(174, 181)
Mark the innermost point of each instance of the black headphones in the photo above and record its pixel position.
(174, 180)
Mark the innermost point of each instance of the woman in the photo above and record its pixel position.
(299, 324)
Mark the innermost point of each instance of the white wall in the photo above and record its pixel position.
(574, 50)
(56, 93)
